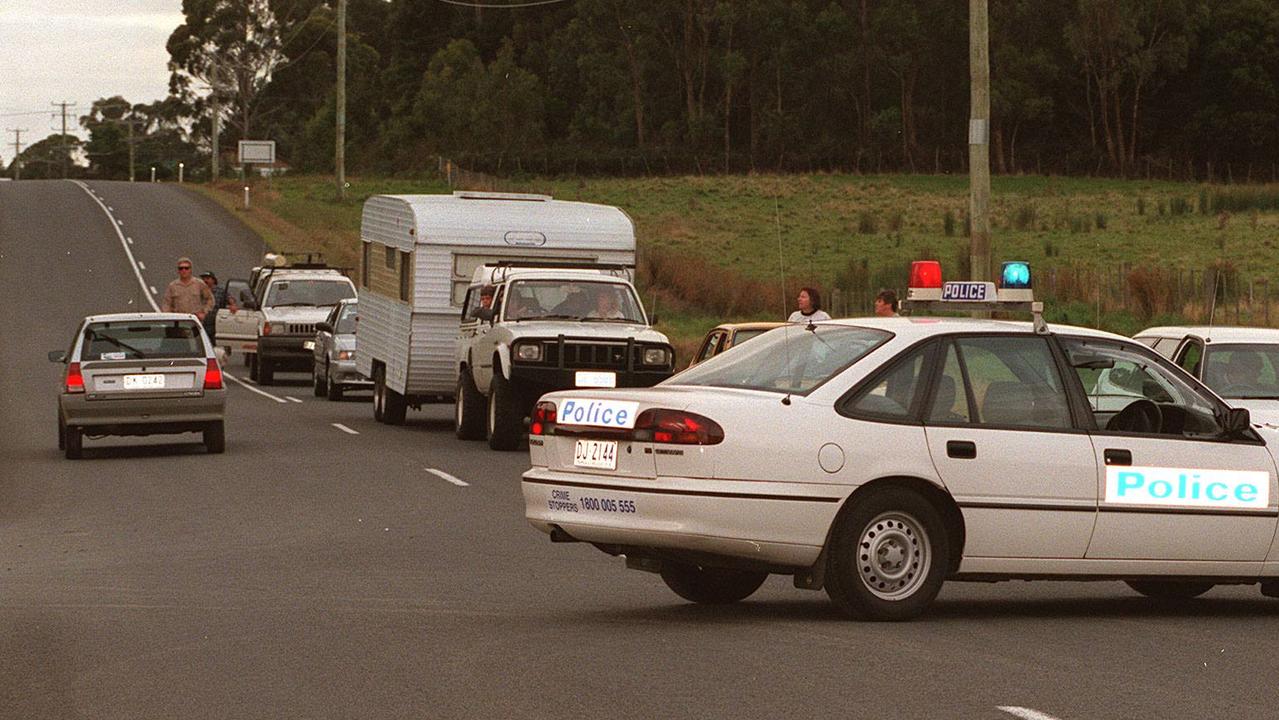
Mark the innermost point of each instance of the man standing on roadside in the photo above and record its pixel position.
(886, 304)
(186, 294)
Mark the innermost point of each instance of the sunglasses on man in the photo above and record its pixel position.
(184, 267)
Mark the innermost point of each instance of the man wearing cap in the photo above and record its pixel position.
(220, 300)
(186, 294)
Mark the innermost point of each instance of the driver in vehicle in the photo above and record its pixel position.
(1242, 371)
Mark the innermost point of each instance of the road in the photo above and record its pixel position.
(312, 572)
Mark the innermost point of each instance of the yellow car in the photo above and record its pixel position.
(727, 335)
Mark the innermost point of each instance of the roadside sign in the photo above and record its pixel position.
(257, 152)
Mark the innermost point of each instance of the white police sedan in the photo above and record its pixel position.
(878, 457)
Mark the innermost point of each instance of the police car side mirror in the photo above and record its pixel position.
(57, 356)
(324, 326)
(1238, 421)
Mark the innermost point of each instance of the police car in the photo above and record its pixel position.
(879, 457)
(1241, 364)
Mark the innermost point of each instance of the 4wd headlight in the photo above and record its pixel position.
(529, 352)
(655, 356)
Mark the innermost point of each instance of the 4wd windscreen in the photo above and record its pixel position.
(307, 292)
(1245, 372)
(142, 339)
(572, 300)
(790, 359)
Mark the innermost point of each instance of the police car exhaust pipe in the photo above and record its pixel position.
(559, 535)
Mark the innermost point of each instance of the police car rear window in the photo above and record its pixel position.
(791, 359)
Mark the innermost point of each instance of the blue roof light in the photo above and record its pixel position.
(1016, 275)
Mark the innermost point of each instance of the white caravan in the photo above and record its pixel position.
(420, 253)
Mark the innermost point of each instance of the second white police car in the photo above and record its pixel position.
(878, 457)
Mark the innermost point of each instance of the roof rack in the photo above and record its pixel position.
(481, 195)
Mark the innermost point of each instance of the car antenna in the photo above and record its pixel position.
(781, 266)
(1212, 307)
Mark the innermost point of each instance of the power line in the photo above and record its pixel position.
(25, 112)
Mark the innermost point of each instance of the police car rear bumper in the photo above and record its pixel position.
(770, 524)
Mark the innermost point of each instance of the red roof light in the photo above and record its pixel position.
(925, 274)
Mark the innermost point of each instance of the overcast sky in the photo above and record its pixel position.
(78, 51)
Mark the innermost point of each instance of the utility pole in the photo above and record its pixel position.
(979, 139)
(217, 115)
(132, 144)
(340, 148)
(17, 151)
(64, 105)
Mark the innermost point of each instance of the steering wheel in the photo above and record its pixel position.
(1139, 416)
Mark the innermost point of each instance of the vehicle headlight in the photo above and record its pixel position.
(529, 352)
(346, 354)
(655, 356)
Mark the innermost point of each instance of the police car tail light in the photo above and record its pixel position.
(1015, 284)
(925, 280)
(213, 375)
(676, 427)
(543, 419)
(75, 380)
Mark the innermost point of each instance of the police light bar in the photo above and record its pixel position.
(928, 292)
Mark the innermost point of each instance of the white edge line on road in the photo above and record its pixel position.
(290, 398)
(345, 429)
(445, 476)
(1025, 713)
(123, 243)
(249, 387)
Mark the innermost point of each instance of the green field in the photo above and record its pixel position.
(1087, 236)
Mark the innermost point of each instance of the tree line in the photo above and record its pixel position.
(1169, 88)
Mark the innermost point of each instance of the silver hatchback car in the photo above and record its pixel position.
(140, 374)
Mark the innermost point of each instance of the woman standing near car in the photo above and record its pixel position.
(810, 307)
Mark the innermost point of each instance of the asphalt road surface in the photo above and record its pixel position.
(318, 571)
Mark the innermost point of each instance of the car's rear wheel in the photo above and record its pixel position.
(888, 558)
(503, 414)
(62, 433)
(332, 390)
(711, 585)
(74, 437)
(468, 414)
(319, 384)
(215, 437)
(1170, 589)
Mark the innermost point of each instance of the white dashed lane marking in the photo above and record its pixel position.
(445, 476)
(130, 240)
(142, 265)
(345, 429)
(1025, 713)
(154, 291)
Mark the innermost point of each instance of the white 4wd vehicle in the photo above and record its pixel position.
(276, 326)
(529, 330)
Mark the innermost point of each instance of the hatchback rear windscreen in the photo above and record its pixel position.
(139, 339)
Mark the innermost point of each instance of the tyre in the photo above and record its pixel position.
(504, 416)
(468, 413)
(710, 585)
(389, 406)
(888, 556)
(252, 361)
(62, 433)
(266, 372)
(1169, 589)
(248, 359)
(74, 438)
(319, 385)
(332, 390)
(215, 438)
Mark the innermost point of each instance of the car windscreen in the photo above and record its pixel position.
(789, 359)
(307, 292)
(141, 339)
(1243, 371)
(572, 300)
(346, 320)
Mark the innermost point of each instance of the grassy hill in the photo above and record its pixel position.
(1119, 254)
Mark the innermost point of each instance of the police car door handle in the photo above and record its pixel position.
(1117, 457)
(961, 449)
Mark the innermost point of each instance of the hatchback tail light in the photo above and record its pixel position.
(677, 427)
(75, 380)
(543, 419)
(213, 375)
